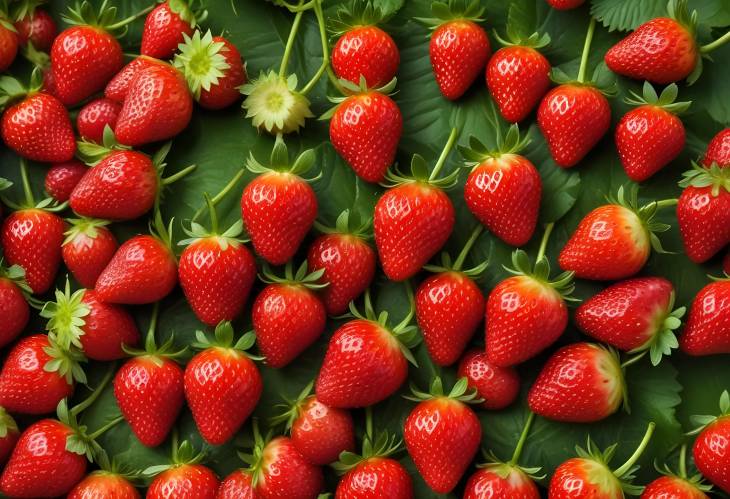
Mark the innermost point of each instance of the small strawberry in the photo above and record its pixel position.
(633, 316)
(104, 484)
(8, 435)
(677, 485)
(279, 207)
(580, 383)
(87, 250)
(184, 478)
(498, 386)
(118, 87)
(287, 315)
(565, 4)
(414, 218)
(8, 44)
(718, 150)
(503, 189)
(95, 116)
(614, 240)
(35, 26)
(13, 303)
(442, 434)
(650, 136)
(348, 262)
(707, 331)
(365, 127)
(459, 47)
(710, 447)
(166, 24)
(61, 179)
(237, 485)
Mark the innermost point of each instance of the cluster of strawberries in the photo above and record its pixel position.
(151, 100)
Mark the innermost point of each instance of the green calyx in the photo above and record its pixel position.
(354, 15)
(292, 408)
(25, 8)
(223, 339)
(182, 455)
(702, 421)
(84, 14)
(453, 10)
(383, 445)
(16, 274)
(201, 61)
(153, 352)
(350, 89)
(274, 104)
(92, 153)
(456, 266)
(191, 11)
(160, 231)
(534, 40)
(279, 161)
(459, 392)
(665, 101)
(505, 469)
(66, 317)
(679, 11)
(302, 277)
(229, 237)
(646, 213)
(11, 90)
(80, 441)
(29, 203)
(520, 30)
(7, 423)
(713, 176)
(347, 224)
(419, 170)
(255, 459)
(83, 227)
(695, 480)
(64, 361)
(664, 339)
(477, 152)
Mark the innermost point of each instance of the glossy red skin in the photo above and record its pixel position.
(222, 388)
(83, 60)
(86, 257)
(163, 32)
(365, 130)
(61, 179)
(363, 366)
(573, 118)
(449, 307)
(718, 150)
(103, 485)
(118, 87)
(375, 478)
(672, 487)
(216, 281)
(575, 385)
(157, 107)
(38, 128)
(565, 4)
(49, 82)
(442, 437)
(237, 485)
(40, 465)
(517, 77)
(571, 481)
(628, 314)
(150, 397)
(523, 317)
(660, 50)
(143, 270)
(7, 444)
(498, 386)
(107, 327)
(9, 48)
(287, 319)
(32, 238)
(320, 433)
(487, 482)
(38, 27)
(648, 138)
(707, 329)
(95, 116)
(225, 92)
(504, 194)
(459, 50)
(14, 310)
(412, 222)
(278, 209)
(301, 480)
(349, 267)
(704, 222)
(184, 481)
(368, 51)
(607, 245)
(711, 452)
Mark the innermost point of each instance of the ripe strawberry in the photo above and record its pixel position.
(278, 207)
(710, 447)
(61, 179)
(650, 136)
(165, 26)
(95, 116)
(365, 128)
(104, 484)
(8, 44)
(707, 331)
(614, 240)
(8, 435)
(13, 305)
(718, 150)
(182, 481)
(287, 316)
(580, 383)
(348, 262)
(668, 487)
(37, 27)
(498, 386)
(87, 250)
(237, 485)
(118, 87)
(442, 434)
(633, 316)
(565, 4)
(222, 403)
(503, 189)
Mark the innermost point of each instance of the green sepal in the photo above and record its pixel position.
(160, 231)
(679, 11)
(201, 61)
(696, 480)
(25, 8)
(448, 266)
(279, 161)
(191, 11)
(83, 226)
(66, 317)
(347, 224)
(522, 266)
(181, 455)
(419, 173)
(84, 13)
(355, 14)
(460, 391)
(645, 213)
(150, 350)
(92, 153)
(223, 338)
(11, 90)
(454, 10)
(664, 339)
(302, 277)
(713, 176)
(503, 469)
(665, 101)
(5, 184)
(384, 445)
(477, 152)
(292, 408)
(702, 421)
(7, 423)
(602, 79)
(16, 274)
(66, 362)
(350, 89)
(230, 237)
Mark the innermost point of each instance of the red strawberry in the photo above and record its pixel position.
(165, 26)
(222, 384)
(633, 316)
(104, 484)
(718, 150)
(348, 262)
(498, 386)
(565, 4)
(13, 304)
(614, 240)
(88, 249)
(707, 331)
(118, 87)
(237, 485)
(414, 218)
(287, 316)
(279, 207)
(182, 481)
(61, 179)
(668, 487)
(95, 116)
(710, 447)
(580, 383)
(8, 435)
(503, 189)
(8, 44)
(365, 128)
(38, 27)
(650, 136)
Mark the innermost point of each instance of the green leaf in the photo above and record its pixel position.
(624, 15)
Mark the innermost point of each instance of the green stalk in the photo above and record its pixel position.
(111, 424)
(637, 453)
(325, 49)
(83, 405)
(444, 153)
(218, 197)
(634, 359)
(544, 241)
(467, 247)
(130, 19)
(666, 203)
(523, 438)
(177, 176)
(706, 49)
(27, 191)
(369, 423)
(212, 214)
(290, 41)
(586, 51)
(683, 461)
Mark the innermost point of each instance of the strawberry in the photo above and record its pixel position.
(118, 87)
(8, 435)
(580, 383)
(37, 27)
(279, 207)
(95, 116)
(450, 305)
(650, 136)
(498, 386)
(718, 150)
(503, 189)
(165, 26)
(222, 403)
(143, 270)
(87, 250)
(676, 485)
(8, 44)
(237, 485)
(565, 4)
(61, 179)
(104, 484)
(707, 331)
(703, 211)
(13, 304)
(459, 47)
(414, 217)
(442, 434)
(287, 316)
(710, 447)
(633, 316)
(348, 262)
(183, 478)
(614, 240)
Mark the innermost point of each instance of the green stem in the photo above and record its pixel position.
(683, 461)
(130, 19)
(444, 153)
(290, 41)
(467, 247)
(586, 51)
(83, 405)
(522, 440)
(218, 197)
(666, 203)
(543, 244)
(212, 214)
(27, 191)
(325, 49)
(174, 443)
(634, 359)
(150, 338)
(369, 423)
(706, 49)
(637, 453)
(111, 424)
(334, 80)
(177, 176)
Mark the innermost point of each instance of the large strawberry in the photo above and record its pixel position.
(710, 447)
(503, 189)
(118, 87)
(95, 116)
(650, 136)
(166, 25)
(61, 179)
(677, 485)
(87, 250)
(498, 386)
(279, 207)
(718, 150)
(104, 484)
(8, 43)
(707, 331)
(184, 477)
(8, 435)
(13, 303)
(35, 25)
(287, 315)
